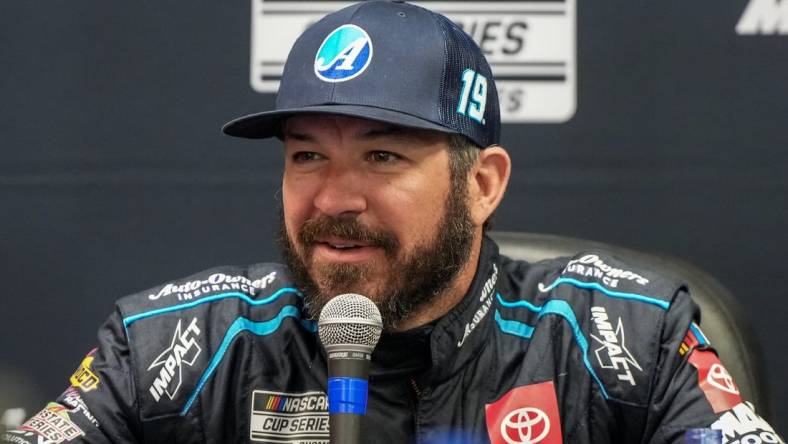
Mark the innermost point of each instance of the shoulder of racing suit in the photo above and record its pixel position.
(176, 331)
(616, 309)
(157, 351)
(636, 333)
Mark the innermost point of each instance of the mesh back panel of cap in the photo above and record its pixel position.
(350, 319)
(460, 55)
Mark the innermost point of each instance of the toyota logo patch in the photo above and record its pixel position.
(527, 425)
(525, 415)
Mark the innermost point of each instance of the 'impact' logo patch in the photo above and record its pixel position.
(344, 54)
(182, 350)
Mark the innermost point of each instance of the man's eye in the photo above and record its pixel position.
(305, 156)
(383, 157)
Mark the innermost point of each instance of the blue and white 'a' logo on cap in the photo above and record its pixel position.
(344, 54)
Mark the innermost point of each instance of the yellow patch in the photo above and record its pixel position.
(83, 377)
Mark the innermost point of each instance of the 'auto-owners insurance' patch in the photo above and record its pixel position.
(289, 417)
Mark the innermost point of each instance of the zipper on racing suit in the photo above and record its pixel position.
(416, 395)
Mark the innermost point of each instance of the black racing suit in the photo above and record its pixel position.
(582, 350)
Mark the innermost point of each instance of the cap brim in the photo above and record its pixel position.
(268, 124)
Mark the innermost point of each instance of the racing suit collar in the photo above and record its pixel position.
(461, 334)
(439, 349)
(402, 354)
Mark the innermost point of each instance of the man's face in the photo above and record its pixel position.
(370, 208)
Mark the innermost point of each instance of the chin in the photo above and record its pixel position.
(371, 293)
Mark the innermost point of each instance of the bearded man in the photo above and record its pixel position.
(390, 123)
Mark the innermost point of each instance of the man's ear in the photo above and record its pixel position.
(488, 181)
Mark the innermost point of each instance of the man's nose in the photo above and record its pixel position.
(342, 192)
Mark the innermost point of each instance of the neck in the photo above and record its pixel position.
(450, 297)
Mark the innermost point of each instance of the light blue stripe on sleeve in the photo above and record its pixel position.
(241, 325)
(244, 297)
(514, 328)
(699, 334)
(613, 294)
(552, 307)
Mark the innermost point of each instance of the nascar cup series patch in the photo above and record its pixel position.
(289, 417)
(344, 54)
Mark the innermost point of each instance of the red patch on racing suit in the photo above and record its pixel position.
(715, 381)
(525, 415)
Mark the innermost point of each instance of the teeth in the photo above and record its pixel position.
(343, 246)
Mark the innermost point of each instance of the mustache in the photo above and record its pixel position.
(346, 228)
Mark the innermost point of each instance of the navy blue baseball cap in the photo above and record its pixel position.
(388, 61)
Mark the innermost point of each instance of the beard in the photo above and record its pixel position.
(412, 279)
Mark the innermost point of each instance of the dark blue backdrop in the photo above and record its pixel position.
(115, 177)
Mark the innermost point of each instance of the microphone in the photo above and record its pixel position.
(349, 328)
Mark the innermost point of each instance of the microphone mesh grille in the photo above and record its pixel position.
(350, 319)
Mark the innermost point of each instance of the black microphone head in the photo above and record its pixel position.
(350, 320)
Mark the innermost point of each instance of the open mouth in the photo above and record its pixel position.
(342, 250)
(343, 246)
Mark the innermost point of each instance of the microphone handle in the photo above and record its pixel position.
(348, 371)
(345, 428)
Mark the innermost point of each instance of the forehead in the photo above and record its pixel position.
(317, 126)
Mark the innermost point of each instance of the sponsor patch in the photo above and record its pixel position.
(217, 282)
(613, 353)
(344, 54)
(715, 381)
(485, 301)
(593, 266)
(289, 417)
(53, 424)
(742, 425)
(182, 351)
(694, 338)
(525, 415)
(75, 404)
(84, 378)
(21, 437)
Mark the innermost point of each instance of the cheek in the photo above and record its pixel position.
(299, 191)
(294, 208)
(416, 208)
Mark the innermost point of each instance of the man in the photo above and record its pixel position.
(390, 123)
